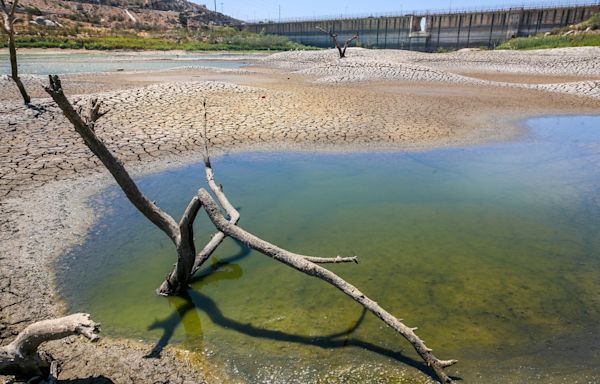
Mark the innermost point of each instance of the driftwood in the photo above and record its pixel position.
(188, 262)
(21, 357)
(334, 36)
(8, 11)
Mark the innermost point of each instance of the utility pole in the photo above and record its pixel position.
(222, 7)
(215, 5)
(280, 13)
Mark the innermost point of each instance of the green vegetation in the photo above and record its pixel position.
(593, 23)
(552, 41)
(580, 35)
(207, 39)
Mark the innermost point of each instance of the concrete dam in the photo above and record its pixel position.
(433, 31)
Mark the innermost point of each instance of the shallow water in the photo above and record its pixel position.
(492, 251)
(63, 63)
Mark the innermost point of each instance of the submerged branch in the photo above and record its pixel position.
(301, 264)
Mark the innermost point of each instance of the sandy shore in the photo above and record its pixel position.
(374, 100)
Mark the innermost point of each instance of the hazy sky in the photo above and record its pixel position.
(269, 9)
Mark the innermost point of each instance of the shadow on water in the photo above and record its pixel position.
(188, 305)
(185, 308)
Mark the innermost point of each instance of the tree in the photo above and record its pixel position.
(181, 233)
(334, 37)
(9, 19)
(21, 358)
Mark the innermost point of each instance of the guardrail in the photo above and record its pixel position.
(424, 12)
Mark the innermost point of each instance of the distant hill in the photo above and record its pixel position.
(122, 14)
(158, 5)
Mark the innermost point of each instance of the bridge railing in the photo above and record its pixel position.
(445, 11)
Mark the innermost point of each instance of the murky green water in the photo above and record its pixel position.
(492, 251)
(62, 63)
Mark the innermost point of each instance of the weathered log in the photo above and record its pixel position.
(21, 357)
(334, 36)
(8, 25)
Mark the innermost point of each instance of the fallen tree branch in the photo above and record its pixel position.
(301, 264)
(21, 358)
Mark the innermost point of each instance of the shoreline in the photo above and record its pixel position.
(45, 205)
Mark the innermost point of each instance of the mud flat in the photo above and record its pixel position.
(373, 100)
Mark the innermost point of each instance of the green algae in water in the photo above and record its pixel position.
(491, 250)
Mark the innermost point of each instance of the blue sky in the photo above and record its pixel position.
(269, 9)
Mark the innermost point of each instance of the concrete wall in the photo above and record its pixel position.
(449, 31)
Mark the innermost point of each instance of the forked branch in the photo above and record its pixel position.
(334, 36)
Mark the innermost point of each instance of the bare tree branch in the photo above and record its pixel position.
(331, 260)
(13, 10)
(8, 24)
(161, 219)
(347, 44)
(234, 215)
(342, 51)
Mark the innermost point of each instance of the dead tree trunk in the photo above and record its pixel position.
(8, 25)
(21, 358)
(334, 36)
(182, 234)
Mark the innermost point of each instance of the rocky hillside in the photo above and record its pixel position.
(121, 14)
(158, 5)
